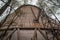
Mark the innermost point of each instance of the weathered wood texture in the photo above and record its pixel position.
(24, 17)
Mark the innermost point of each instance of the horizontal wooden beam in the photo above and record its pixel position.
(28, 28)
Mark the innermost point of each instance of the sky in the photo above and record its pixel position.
(32, 2)
(1, 4)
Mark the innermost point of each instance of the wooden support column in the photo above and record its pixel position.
(18, 34)
(35, 35)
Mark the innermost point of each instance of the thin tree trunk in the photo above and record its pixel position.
(4, 7)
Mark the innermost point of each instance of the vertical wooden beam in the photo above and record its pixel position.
(18, 34)
(35, 35)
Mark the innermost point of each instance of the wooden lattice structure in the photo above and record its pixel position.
(29, 17)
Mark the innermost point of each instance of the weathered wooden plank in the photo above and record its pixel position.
(35, 35)
(5, 38)
(28, 28)
(42, 34)
(18, 34)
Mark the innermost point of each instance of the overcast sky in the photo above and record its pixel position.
(32, 2)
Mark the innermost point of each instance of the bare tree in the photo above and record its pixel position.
(4, 7)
